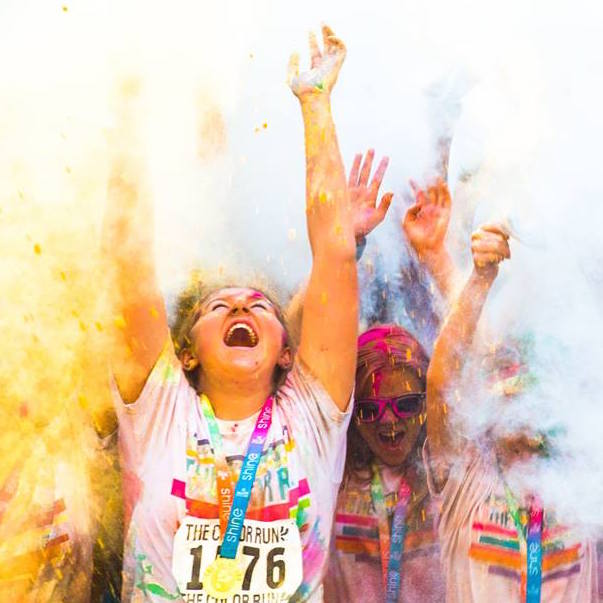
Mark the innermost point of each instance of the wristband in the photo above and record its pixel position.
(360, 247)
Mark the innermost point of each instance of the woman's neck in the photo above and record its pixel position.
(407, 471)
(234, 401)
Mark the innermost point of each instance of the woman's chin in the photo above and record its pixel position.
(240, 362)
(391, 453)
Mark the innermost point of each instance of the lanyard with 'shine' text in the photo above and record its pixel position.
(531, 573)
(233, 505)
(391, 547)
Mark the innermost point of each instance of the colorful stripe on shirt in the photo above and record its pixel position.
(499, 548)
(359, 535)
(299, 498)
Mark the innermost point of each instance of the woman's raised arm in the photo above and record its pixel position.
(489, 246)
(330, 311)
(140, 320)
(367, 213)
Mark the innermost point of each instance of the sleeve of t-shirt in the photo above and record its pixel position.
(161, 405)
(469, 480)
(320, 426)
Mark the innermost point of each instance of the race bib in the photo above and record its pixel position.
(270, 553)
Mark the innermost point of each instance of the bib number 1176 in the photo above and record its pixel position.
(270, 553)
(275, 567)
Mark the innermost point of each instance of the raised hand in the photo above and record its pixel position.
(489, 247)
(324, 67)
(329, 326)
(367, 215)
(128, 234)
(426, 222)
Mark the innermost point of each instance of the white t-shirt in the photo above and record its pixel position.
(355, 573)
(169, 475)
(480, 548)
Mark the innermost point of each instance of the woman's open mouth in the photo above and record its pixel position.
(391, 438)
(241, 335)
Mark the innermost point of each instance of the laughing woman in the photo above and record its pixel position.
(232, 446)
(385, 539)
(385, 542)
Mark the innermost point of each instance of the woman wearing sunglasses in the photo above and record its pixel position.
(384, 536)
(385, 542)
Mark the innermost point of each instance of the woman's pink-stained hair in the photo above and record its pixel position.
(382, 347)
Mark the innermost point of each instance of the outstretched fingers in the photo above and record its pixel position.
(443, 193)
(365, 172)
(353, 179)
(418, 193)
(315, 54)
(379, 174)
(412, 212)
(332, 44)
(293, 68)
(386, 201)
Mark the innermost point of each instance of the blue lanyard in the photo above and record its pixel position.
(531, 579)
(396, 550)
(392, 547)
(242, 493)
(534, 554)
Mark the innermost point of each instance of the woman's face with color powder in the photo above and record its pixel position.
(391, 438)
(238, 333)
(508, 376)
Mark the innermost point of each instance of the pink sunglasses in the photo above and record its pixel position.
(369, 410)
